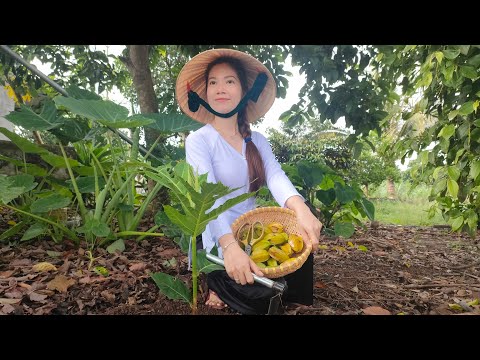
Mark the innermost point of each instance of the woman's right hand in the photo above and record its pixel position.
(238, 264)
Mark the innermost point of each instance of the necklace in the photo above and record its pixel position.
(225, 135)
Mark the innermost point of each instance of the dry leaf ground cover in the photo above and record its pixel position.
(382, 270)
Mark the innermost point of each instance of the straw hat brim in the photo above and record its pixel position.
(194, 73)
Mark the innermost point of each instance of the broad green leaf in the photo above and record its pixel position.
(451, 54)
(474, 61)
(448, 72)
(357, 150)
(58, 161)
(439, 56)
(194, 218)
(104, 111)
(469, 72)
(30, 120)
(423, 157)
(439, 186)
(464, 49)
(49, 203)
(116, 245)
(34, 231)
(457, 223)
(312, 174)
(474, 169)
(452, 188)
(78, 93)
(26, 181)
(72, 130)
(326, 196)
(345, 230)
(8, 192)
(95, 227)
(31, 169)
(172, 287)
(466, 108)
(369, 208)
(453, 172)
(23, 144)
(472, 219)
(452, 114)
(447, 131)
(205, 265)
(130, 122)
(171, 123)
(345, 193)
(87, 184)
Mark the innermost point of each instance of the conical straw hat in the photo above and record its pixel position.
(193, 73)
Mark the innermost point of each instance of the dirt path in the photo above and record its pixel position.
(390, 269)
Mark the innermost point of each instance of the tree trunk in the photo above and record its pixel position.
(391, 189)
(138, 65)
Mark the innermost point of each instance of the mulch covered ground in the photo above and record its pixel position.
(382, 270)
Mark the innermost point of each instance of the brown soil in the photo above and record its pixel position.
(400, 270)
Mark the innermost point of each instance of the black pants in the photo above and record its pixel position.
(255, 298)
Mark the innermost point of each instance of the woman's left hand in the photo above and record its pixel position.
(310, 226)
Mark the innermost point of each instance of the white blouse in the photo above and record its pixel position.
(208, 152)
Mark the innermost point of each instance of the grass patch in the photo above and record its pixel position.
(405, 213)
(410, 206)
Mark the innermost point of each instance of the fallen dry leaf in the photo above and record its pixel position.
(9, 301)
(37, 297)
(375, 310)
(6, 274)
(137, 267)
(168, 253)
(21, 262)
(7, 309)
(60, 283)
(44, 267)
(319, 285)
(108, 296)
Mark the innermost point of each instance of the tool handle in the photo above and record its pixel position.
(279, 287)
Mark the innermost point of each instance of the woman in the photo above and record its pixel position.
(227, 90)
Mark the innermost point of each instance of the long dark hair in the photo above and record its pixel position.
(256, 171)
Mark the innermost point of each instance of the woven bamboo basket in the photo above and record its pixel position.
(288, 219)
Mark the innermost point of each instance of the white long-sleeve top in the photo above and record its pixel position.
(208, 152)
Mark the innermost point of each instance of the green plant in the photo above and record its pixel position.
(341, 205)
(196, 198)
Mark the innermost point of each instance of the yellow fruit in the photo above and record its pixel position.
(272, 262)
(279, 238)
(296, 242)
(275, 227)
(277, 254)
(261, 245)
(260, 255)
(287, 249)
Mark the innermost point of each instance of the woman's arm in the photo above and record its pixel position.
(287, 195)
(238, 264)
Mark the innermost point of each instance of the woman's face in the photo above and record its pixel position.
(224, 90)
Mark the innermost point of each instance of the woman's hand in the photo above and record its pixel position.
(310, 226)
(238, 264)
